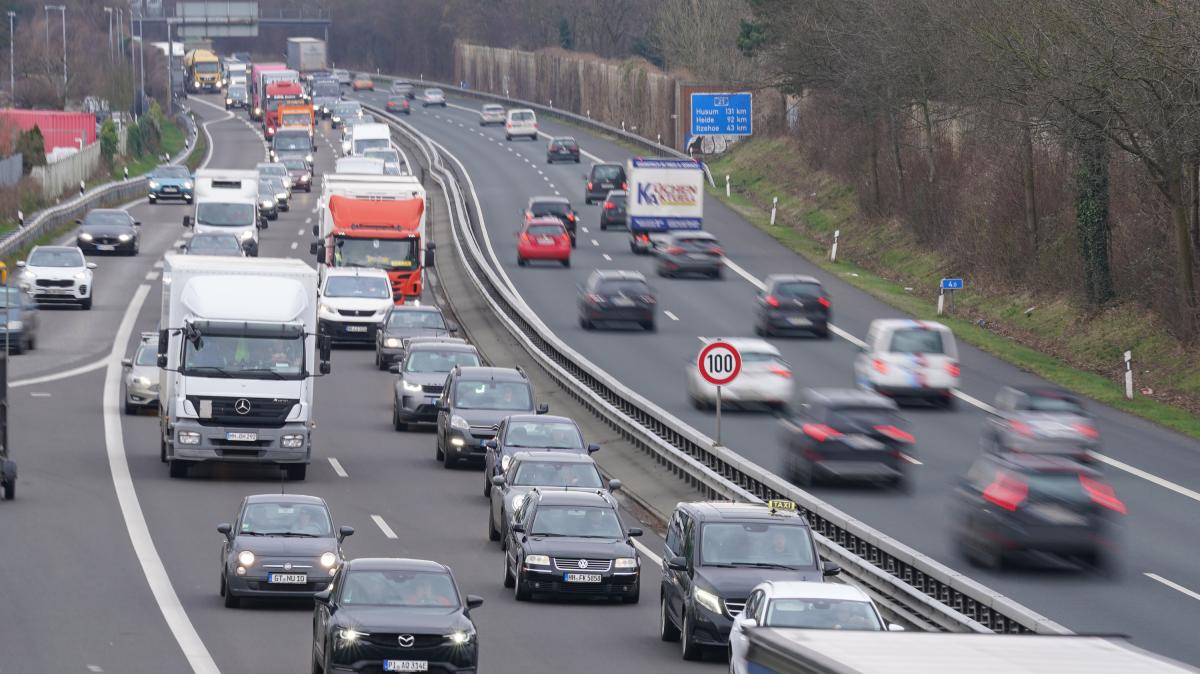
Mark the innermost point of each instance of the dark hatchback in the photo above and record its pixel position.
(793, 303)
(553, 207)
(616, 296)
(1040, 420)
(394, 615)
(403, 321)
(530, 433)
(108, 230)
(613, 215)
(602, 179)
(399, 104)
(689, 253)
(571, 543)
(562, 149)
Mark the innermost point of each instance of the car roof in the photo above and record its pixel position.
(751, 344)
(553, 457)
(557, 200)
(576, 498)
(728, 510)
(493, 105)
(285, 498)
(107, 210)
(558, 139)
(267, 164)
(619, 275)
(807, 589)
(441, 346)
(395, 564)
(496, 373)
(848, 397)
(355, 271)
(542, 417)
(790, 278)
(906, 323)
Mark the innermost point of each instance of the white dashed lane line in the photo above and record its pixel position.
(607, 257)
(337, 467)
(383, 526)
(295, 245)
(669, 314)
(1174, 586)
(595, 242)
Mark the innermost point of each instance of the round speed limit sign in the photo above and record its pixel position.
(719, 363)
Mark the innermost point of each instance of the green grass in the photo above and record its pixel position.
(172, 142)
(199, 150)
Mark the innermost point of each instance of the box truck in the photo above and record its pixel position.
(664, 195)
(305, 54)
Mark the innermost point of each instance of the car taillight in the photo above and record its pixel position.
(716, 250)
(1087, 431)
(647, 299)
(589, 184)
(608, 205)
(880, 366)
(1021, 427)
(823, 302)
(952, 369)
(895, 433)
(675, 250)
(1102, 494)
(820, 432)
(782, 372)
(571, 217)
(772, 301)
(524, 237)
(596, 299)
(1007, 491)
(535, 125)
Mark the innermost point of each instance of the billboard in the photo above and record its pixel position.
(665, 194)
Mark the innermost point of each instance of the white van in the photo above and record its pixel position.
(521, 122)
(226, 200)
(365, 137)
(905, 358)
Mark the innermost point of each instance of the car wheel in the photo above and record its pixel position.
(86, 303)
(130, 408)
(687, 648)
(802, 478)
(603, 226)
(493, 534)
(152, 200)
(487, 489)
(10, 490)
(31, 343)
(396, 423)
(521, 262)
(178, 469)
(648, 326)
(520, 592)
(507, 137)
(297, 472)
(585, 323)
(508, 576)
(822, 332)
(448, 460)
(162, 450)
(950, 402)
(17, 347)
(567, 263)
(574, 242)
(667, 631)
(438, 453)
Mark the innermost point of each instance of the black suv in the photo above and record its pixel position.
(715, 553)
(616, 296)
(473, 402)
(571, 543)
(793, 303)
(602, 179)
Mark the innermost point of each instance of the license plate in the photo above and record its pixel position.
(406, 665)
(607, 186)
(622, 302)
(106, 247)
(545, 240)
(57, 291)
(170, 189)
(241, 436)
(799, 321)
(356, 328)
(1058, 515)
(860, 442)
(581, 577)
(287, 578)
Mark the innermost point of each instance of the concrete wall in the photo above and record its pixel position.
(10, 170)
(64, 175)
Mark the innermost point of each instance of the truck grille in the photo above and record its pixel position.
(263, 412)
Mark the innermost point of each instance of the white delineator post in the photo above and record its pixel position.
(1129, 375)
(833, 250)
(726, 184)
(774, 205)
(941, 301)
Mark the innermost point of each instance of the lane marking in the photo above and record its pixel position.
(1165, 484)
(151, 275)
(641, 547)
(1173, 585)
(910, 459)
(295, 245)
(158, 264)
(383, 526)
(595, 242)
(585, 230)
(337, 467)
(82, 369)
(669, 314)
(607, 257)
(39, 394)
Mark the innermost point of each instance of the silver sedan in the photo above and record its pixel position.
(139, 385)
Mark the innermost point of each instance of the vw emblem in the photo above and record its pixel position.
(287, 566)
(241, 406)
(406, 640)
(583, 564)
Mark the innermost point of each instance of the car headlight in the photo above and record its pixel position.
(28, 275)
(80, 276)
(305, 178)
(413, 388)
(257, 111)
(537, 560)
(308, 158)
(326, 309)
(141, 381)
(392, 342)
(459, 423)
(84, 236)
(504, 461)
(123, 238)
(266, 203)
(270, 130)
(460, 637)
(15, 325)
(336, 119)
(246, 235)
(349, 636)
(625, 563)
(228, 101)
(517, 501)
(707, 599)
(245, 558)
(328, 559)
(153, 184)
(187, 185)
(282, 196)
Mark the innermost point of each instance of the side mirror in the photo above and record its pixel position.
(91, 265)
(126, 362)
(593, 448)
(324, 597)
(325, 368)
(137, 223)
(490, 444)
(543, 408)
(187, 221)
(893, 627)
(430, 255)
(517, 528)
(394, 368)
(614, 485)
(474, 601)
(20, 263)
(440, 406)
(78, 221)
(634, 532)
(830, 569)
(226, 529)
(498, 480)
(677, 564)
(452, 328)
(749, 622)
(344, 532)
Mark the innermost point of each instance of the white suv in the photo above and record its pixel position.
(521, 122)
(58, 275)
(904, 358)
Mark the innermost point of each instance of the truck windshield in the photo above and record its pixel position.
(207, 67)
(225, 215)
(295, 119)
(273, 102)
(365, 144)
(242, 356)
(380, 253)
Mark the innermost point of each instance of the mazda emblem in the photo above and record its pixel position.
(406, 640)
(583, 564)
(241, 406)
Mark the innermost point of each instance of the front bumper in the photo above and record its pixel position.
(170, 192)
(554, 582)
(139, 394)
(418, 408)
(356, 332)
(467, 445)
(256, 582)
(105, 246)
(708, 628)
(267, 448)
(367, 656)
(60, 294)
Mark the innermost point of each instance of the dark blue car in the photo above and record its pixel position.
(170, 182)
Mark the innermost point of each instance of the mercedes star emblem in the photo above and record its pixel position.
(583, 564)
(406, 640)
(241, 406)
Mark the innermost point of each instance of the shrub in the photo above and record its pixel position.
(32, 147)
(108, 141)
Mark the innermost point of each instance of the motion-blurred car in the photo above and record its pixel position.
(21, 318)
(398, 104)
(169, 181)
(765, 379)
(691, 252)
(846, 434)
(555, 207)
(109, 230)
(563, 148)
(58, 275)
(544, 239)
(602, 179)
(905, 358)
(1009, 504)
(362, 83)
(613, 214)
(405, 89)
(300, 172)
(520, 122)
(529, 433)
(422, 374)
(408, 320)
(616, 296)
(139, 383)
(491, 113)
(792, 303)
(213, 243)
(433, 97)
(1040, 420)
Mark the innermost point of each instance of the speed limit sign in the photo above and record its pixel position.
(719, 363)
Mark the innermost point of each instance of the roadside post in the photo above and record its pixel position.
(1129, 375)
(833, 251)
(774, 205)
(719, 364)
(949, 285)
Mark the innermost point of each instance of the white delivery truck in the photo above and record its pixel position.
(664, 195)
(226, 200)
(365, 137)
(236, 73)
(237, 353)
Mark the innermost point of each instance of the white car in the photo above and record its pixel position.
(765, 378)
(803, 605)
(521, 122)
(492, 113)
(433, 97)
(353, 303)
(343, 77)
(905, 358)
(57, 275)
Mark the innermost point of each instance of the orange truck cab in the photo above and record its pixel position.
(291, 116)
(281, 94)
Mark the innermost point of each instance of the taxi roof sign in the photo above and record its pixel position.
(782, 504)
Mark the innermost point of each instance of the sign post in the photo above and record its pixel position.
(719, 363)
(949, 285)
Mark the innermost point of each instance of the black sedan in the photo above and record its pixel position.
(108, 230)
(530, 433)
(281, 546)
(571, 543)
(562, 149)
(407, 320)
(394, 615)
(793, 303)
(616, 296)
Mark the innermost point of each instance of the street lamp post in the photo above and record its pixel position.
(109, 12)
(141, 58)
(170, 70)
(63, 9)
(12, 70)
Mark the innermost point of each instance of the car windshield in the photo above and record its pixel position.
(62, 257)
(760, 357)
(295, 164)
(1059, 486)
(569, 142)
(492, 395)
(546, 230)
(439, 361)
(917, 341)
(106, 218)
(798, 289)
(172, 172)
(399, 588)
(378, 253)
(862, 417)
(147, 354)
(271, 185)
(346, 109)
(272, 170)
(358, 286)
(580, 522)
(697, 244)
(364, 144)
(556, 474)
(324, 89)
(397, 99)
(761, 544)
(493, 108)
(225, 243)
(626, 288)
(416, 319)
(541, 208)
(607, 172)
(522, 116)
(543, 435)
(207, 67)
(1049, 401)
(238, 91)
(295, 119)
(242, 356)
(224, 215)
(293, 140)
(617, 199)
(822, 614)
(284, 519)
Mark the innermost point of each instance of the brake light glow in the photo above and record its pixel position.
(571, 217)
(772, 301)
(608, 205)
(589, 184)
(1087, 431)
(1102, 494)
(823, 302)
(524, 237)
(820, 432)
(1021, 427)
(880, 366)
(952, 369)
(895, 433)
(715, 250)
(674, 250)
(782, 372)
(1007, 491)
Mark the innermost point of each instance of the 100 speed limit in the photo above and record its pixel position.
(719, 363)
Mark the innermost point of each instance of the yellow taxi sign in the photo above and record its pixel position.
(782, 504)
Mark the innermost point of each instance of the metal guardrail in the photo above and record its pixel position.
(910, 583)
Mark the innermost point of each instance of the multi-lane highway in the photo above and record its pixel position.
(1155, 471)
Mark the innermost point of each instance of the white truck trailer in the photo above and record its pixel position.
(664, 195)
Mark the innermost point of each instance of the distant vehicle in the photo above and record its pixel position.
(169, 181)
(108, 230)
(1040, 420)
(300, 172)
(554, 207)
(353, 303)
(612, 214)
(765, 379)
(22, 319)
(343, 110)
(398, 104)
(369, 136)
(213, 243)
(527, 471)
(343, 77)
(305, 54)
(360, 166)
(58, 275)
(292, 143)
(433, 97)
(202, 71)
(847, 434)
(602, 179)
(904, 359)
(562, 148)
(472, 403)
(237, 96)
(1008, 505)
(276, 170)
(363, 83)
(273, 527)
(793, 303)
(688, 252)
(325, 95)
(530, 433)
(139, 383)
(544, 239)
(491, 113)
(403, 321)
(227, 202)
(402, 88)
(422, 373)
(395, 596)
(616, 296)
(520, 122)
(271, 196)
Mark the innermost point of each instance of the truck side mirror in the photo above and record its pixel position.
(593, 448)
(452, 328)
(325, 344)
(164, 342)
(187, 221)
(498, 480)
(677, 564)
(313, 248)
(430, 255)
(262, 222)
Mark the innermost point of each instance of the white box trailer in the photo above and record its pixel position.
(305, 54)
(237, 350)
(664, 195)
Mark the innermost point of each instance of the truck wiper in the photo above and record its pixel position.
(208, 368)
(267, 370)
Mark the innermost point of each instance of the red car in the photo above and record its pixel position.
(544, 239)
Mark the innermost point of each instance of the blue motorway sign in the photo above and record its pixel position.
(722, 114)
(952, 284)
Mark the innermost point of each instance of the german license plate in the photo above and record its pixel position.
(57, 291)
(622, 302)
(241, 436)
(287, 578)
(170, 189)
(607, 186)
(406, 665)
(1058, 514)
(799, 321)
(105, 247)
(545, 240)
(860, 442)
(581, 577)
(356, 328)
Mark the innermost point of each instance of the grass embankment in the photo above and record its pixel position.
(1058, 340)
